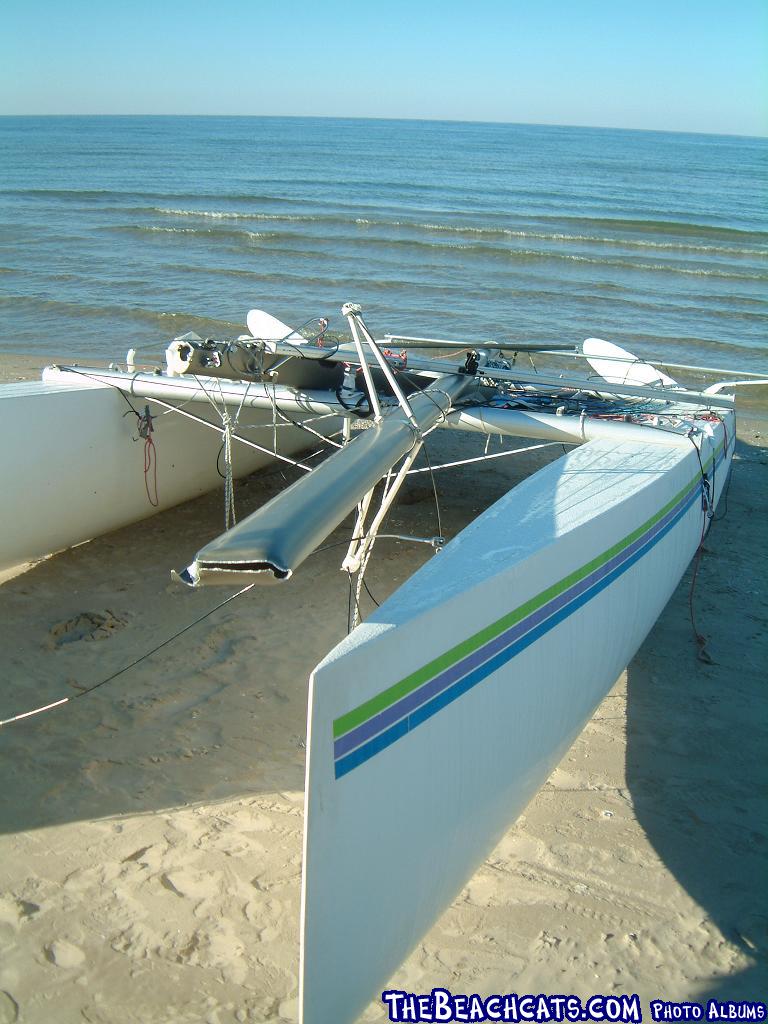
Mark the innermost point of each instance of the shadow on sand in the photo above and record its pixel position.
(697, 736)
(218, 713)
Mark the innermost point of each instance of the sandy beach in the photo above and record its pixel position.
(150, 832)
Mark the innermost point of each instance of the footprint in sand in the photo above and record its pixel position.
(86, 626)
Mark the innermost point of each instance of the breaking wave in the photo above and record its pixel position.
(149, 229)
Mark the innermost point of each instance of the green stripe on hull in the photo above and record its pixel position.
(397, 691)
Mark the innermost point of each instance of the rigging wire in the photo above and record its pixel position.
(434, 491)
(707, 497)
(190, 415)
(729, 477)
(379, 536)
(488, 456)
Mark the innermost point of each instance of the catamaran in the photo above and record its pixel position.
(433, 723)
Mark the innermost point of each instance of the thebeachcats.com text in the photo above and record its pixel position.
(714, 1009)
(442, 1005)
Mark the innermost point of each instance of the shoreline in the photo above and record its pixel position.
(150, 834)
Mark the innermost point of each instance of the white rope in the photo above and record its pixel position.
(359, 587)
(229, 479)
(358, 536)
(357, 559)
(364, 543)
(229, 424)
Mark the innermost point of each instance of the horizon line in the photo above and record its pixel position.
(423, 120)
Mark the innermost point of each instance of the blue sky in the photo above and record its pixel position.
(696, 65)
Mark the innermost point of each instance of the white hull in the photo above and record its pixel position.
(434, 723)
(72, 469)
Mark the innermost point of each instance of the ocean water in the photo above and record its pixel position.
(125, 231)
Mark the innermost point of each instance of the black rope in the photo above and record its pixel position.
(218, 462)
(90, 376)
(89, 689)
(701, 640)
(368, 592)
